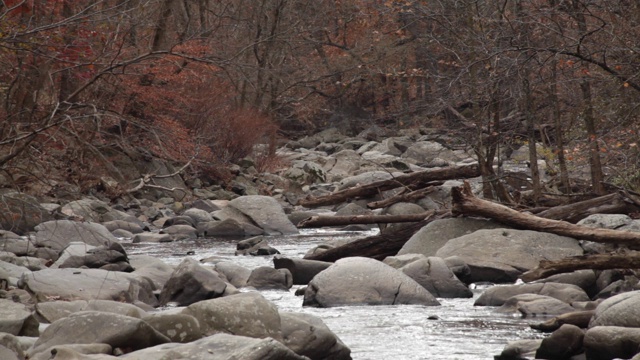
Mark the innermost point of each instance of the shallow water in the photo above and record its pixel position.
(460, 330)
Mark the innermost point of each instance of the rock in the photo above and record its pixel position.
(57, 234)
(148, 237)
(12, 243)
(89, 327)
(266, 212)
(190, 283)
(585, 279)
(363, 179)
(498, 295)
(179, 220)
(235, 274)
(302, 270)
(580, 319)
(10, 274)
(606, 221)
(364, 281)
(268, 278)
(619, 310)
(428, 240)
(533, 305)
(20, 213)
(181, 231)
(98, 258)
(229, 227)
(307, 335)
(501, 255)
(10, 347)
(345, 163)
(31, 263)
(611, 342)
(562, 344)
(179, 328)
(51, 311)
(246, 314)
(151, 269)
(519, 349)
(198, 215)
(400, 208)
(352, 209)
(86, 284)
(255, 246)
(129, 226)
(434, 275)
(93, 211)
(206, 205)
(218, 347)
(17, 319)
(76, 352)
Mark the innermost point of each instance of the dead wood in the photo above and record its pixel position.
(415, 180)
(320, 220)
(615, 203)
(465, 203)
(546, 268)
(403, 197)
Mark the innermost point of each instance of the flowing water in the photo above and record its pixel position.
(454, 330)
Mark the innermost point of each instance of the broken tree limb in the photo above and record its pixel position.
(320, 220)
(465, 203)
(403, 197)
(415, 180)
(377, 246)
(615, 203)
(546, 268)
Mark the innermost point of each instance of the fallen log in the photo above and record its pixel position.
(465, 203)
(377, 246)
(403, 197)
(615, 203)
(328, 220)
(546, 268)
(415, 180)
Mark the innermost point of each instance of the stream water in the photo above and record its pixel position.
(459, 330)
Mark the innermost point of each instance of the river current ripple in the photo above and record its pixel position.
(454, 330)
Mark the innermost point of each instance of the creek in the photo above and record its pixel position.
(454, 330)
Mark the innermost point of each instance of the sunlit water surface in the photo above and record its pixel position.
(405, 332)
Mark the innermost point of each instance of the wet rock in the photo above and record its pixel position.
(256, 246)
(611, 342)
(246, 314)
(149, 237)
(580, 319)
(90, 327)
(498, 295)
(58, 234)
(302, 270)
(533, 305)
(226, 227)
(190, 282)
(564, 343)
(519, 349)
(364, 281)
(268, 278)
(501, 255)
(307, 335)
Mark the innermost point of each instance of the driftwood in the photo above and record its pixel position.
(402, 197)
(546, 268)
(465, 203)
(377, 246)
(320, 221)
(415, 180)
(616, 203)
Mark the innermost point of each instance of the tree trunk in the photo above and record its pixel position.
(377, 246)
(320, 221)
(616, 203)
(403, 197)
(417, 180)
(547, 268)
(465, 203)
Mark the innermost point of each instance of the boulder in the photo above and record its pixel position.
(428, 240)
(564, 343)
(148, 237)
(190, 282)
(76, 352)
(151, 269)
(10, 347)
(179, 328)
(198, 215)
(268, 278)
(606, 221)
(265, 212)
(86, 284)
(235, 274)
(229, 227)
(519, 349)
(17, 319)
(533, 305)
(180, 231)
(255, 246)
(580, 319)
(89, 327)
(611, 342)
(130, 226)
(246, 314)
(51, 311)
(585, 279)
(57, 234)
(363, 179)
(302, 270)
(364, 281)
(620, 310)
(10, 274)
(307, 335)
(498, 295)
(218, 347)
(501, 255)
(20, 213)
(92, 210)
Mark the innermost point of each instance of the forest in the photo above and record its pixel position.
(201, 83)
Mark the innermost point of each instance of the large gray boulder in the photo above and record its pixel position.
(268, 278)
(88, 327)
(564, 343)
(364, 281)
(86, 284)
(533, 305)
(307, 335)
(235, 274)
(435, 276)
(51, 311)
(498, 295)
(17, 319)
(246, 314)
(57, 234)
(150, 268)
(178, 327)
(218, 347)
(611, 342)
(190, 282)
(428, 240)
(501, 255)
(619, 310)
(265, 212)
(302, 270)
